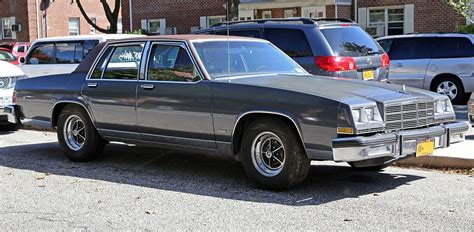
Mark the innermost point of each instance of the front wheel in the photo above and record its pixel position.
(77, 136)
(273, 156)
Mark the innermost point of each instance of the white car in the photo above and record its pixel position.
(8, 76)
(60, 55)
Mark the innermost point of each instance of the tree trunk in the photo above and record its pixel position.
(112, 16)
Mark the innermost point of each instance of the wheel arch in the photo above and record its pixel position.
(246, 118)
(441, 75)
(60, 105)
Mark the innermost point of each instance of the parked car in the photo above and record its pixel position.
(7, 56)
(8, 76)
(237, 96)
(20, 49)
(60, 55)
(326, 47)
(442, 63)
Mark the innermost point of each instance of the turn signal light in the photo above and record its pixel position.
(345, 130)
(335, 63)
(385, 60)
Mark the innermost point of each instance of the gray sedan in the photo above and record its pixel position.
(239, 97)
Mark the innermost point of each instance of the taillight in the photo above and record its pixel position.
(385, 60)
(14, 97)
(335, 63)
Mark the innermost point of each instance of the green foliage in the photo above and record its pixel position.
(463, 7)
(467, 29)
(137, 32)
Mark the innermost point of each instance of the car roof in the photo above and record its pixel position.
(424, 35)
(100, 37)
(191, 38)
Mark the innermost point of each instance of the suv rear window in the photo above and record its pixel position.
(351, 41)
(453, 47)
(292, 41)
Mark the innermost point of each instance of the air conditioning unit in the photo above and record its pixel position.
(171, 31)
(16, 27)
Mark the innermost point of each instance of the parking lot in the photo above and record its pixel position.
(141, 188)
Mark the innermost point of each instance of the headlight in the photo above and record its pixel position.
(14, 79)
(366, 115)
(443, 107)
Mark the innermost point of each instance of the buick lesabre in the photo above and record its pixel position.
(240, 97)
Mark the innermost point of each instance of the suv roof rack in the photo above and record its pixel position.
(312, 21)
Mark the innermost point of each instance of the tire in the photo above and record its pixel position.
(450, 87)
(283, 168)
(81, 145)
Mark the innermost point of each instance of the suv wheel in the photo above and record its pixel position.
(450, 87)
(77, 136)
(272, 155)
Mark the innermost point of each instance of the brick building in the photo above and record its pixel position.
(171, 17)
(24, 20)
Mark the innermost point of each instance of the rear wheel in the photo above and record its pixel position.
(77, 136)
(273, 156)
(450, 87)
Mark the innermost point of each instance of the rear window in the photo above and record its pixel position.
(351, 41)
(292, 42)
(453, 47)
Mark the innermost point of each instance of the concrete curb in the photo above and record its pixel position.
(437, 162)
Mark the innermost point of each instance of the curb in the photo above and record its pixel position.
(437, 162)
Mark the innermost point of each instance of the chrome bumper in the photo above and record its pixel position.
(7, 114)
(396, 145)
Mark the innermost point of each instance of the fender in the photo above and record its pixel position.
(78, 101)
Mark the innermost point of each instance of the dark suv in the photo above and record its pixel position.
(327, 47)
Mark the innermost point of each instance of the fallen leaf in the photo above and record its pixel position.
(150, 212)
(451, 210)
(376, 194)
(41, 186)
(39, 177)
(347, 220)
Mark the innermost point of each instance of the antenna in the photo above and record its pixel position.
(228, 41)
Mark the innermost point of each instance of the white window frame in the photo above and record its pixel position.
(386, 21)
(11, 22)
(78, 29)
(287, 12)
(267, 14)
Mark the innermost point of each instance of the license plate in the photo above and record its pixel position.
(424, 148)
(368, 75)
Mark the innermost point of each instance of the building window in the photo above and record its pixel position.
(211, 20)
(267, 14)
(154, 26)
(7, 32)
(92, 29)
(384, 22)
(289, 13)
(74, 26)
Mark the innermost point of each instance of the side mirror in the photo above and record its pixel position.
(22, 60)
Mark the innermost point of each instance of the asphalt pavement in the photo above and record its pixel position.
(141, 188)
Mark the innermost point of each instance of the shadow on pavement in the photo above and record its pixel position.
(199, 174)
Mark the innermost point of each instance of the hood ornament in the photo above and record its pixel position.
(404, 89)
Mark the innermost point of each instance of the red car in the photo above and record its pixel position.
(6, 55)
(20, 49)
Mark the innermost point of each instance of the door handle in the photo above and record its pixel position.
(92, 84)
(147, 86)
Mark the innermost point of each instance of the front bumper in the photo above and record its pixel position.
(396, 145)
(8, 115)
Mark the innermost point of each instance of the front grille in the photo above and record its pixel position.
(408, 115)
(4, 82)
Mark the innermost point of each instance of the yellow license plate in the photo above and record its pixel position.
(425, 148)
(368, 75)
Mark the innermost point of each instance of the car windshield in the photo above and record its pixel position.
(351, 41)
(231, 58)
(6, 56)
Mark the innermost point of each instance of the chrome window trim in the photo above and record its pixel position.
(114, 45)
(180, 44)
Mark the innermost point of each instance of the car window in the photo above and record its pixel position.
(69, 53)
(222, 59)
(100, 67)
(41, 54)
(88, 46)
(410, 48)
(292, 41)
(453, 47)
(244, 32)
(124, 63)
(386, 44)
(351, 41)
(6, 56)
(21, 49)
(171, 63)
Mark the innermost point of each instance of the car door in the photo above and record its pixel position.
(174, 101)
(409, 60)
(39, 61)
(110, 90)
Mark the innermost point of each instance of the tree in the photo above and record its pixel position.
(464, 7)
(112, 16)
(233, 12)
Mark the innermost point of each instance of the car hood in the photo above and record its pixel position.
(340, 89)
(9, 70)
